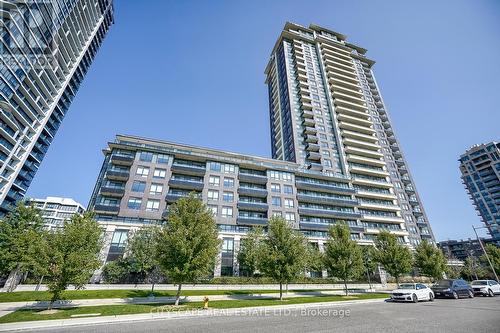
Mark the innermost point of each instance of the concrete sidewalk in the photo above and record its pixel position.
(6, 308)
(155, 315)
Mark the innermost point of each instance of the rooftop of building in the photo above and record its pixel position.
(478, 147)
(58, 200)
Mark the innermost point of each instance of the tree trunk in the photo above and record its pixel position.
(178, 295)
(152, 288)
(397, 281)
(345, 286)
(13, 281)
(369, 281)
(39, 283)
(286, 288)
(281, 291)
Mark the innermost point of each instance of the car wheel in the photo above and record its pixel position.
(455, 295)
(414, 298)
(491, 293)
(471, 294)
(431, 297)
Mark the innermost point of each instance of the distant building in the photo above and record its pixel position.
(480, 167)
(56, 210)
(461, 249)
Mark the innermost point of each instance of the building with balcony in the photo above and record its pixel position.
(46, 48)
(480, 168)
(327, 114)
(56, 210)
(463, 248)
(140, 178)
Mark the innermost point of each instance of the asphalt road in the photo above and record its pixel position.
(481, 314)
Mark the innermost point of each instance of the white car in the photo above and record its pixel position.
(486, 287)
(412, 292)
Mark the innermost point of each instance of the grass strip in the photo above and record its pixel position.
(115, 310)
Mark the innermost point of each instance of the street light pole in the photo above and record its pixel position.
(484, 250)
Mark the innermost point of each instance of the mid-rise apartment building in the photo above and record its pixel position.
(56, 210)
(46, 49)
(480, 168)
(327, 113)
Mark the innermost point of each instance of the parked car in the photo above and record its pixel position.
(452, 288)
(412, 292)
(486, 287)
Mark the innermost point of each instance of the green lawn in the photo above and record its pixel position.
(109, 310)
(25, 296)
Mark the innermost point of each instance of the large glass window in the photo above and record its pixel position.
(156, 189)
(160, 173)
(214, 180)
(134, 203)
(276, 201)
(138, 186)
(228, 182)
(146, 156)
(228, 196)
(153, 205)
(142, 171)
(162, 159)
(213, 195)
(227, 212)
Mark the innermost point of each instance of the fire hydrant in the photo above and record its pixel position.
(205, 302)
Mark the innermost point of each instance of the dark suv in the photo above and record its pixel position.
(452, 288)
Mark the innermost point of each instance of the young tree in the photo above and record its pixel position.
(430, 260)
(73, 253)
(187, 244)
(394, 257)
(250, 248)
(343, 256)
(283, 252)
(314, 259)
(21, 240)
(473, 269)
(369, 262)
(494, 255)
(141, 254)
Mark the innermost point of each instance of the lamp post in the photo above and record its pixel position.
(484, 250)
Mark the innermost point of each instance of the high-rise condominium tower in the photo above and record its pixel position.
(327, 114)
(46, 49)
(480, 167)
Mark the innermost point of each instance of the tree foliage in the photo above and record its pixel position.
(250, 251)
(73, 253)
(394, 257)
(430, 260)
(369, 262)
(284, 252)
(494, 255)
(343, 256)
(187, 244)
(22, 239)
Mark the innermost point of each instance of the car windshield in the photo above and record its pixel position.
(443, 283)
(479, 283)
(407, 286)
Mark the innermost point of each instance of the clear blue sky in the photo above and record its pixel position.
(192, 72)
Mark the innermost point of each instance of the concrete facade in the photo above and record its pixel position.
(56, 210)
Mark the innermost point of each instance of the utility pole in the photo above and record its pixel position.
(484, 250)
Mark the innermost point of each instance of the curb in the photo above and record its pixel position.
(104, 320)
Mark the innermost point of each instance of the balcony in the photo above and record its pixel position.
(186, 184)
(313, 156)
(426, 236)
(304, 225)
(312, 147)
(304, 185)
(117, 175)
(112, 191)
(325, 200)
(252, 178)
(307, 114)
(310, 130)
(122, 160)
(253, 206)
(192, 170)
(252, 192)
(311, 138)
(327, 213)
(172, 197)
(251, 221)
(421, 223)
(105, 209)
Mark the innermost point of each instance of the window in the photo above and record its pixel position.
(287, 176)
(288, 203)
(159, 173)
(228, 196)
(290, 217)
(213, 195)
(276, 201)
(227, 212)
(288, 189)
(162, 159)
(134, 203)
(275, 213)
(146, 156)
(156, 189)
(214, 180)
(228, 168)
(228, 182)
(138, 186)
(214, 209)
(276, 188)
(274, 174)
(142, 171)
(328, 163)
(153, 205)
(215, 166)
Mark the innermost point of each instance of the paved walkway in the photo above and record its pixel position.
(6, 308)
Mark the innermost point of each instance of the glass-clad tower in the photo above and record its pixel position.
(480, 168)
(327, 114)
(46, 49)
